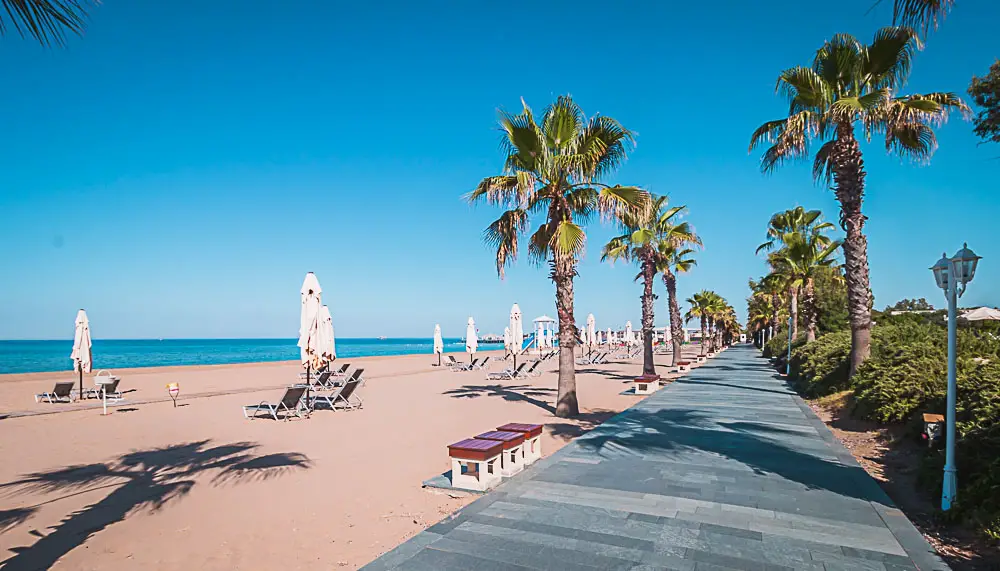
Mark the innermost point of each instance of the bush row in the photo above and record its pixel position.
(905, 376)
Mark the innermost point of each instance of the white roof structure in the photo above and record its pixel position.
(982, 314)
(544, 319)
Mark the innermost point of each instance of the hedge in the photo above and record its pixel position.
(906, 376)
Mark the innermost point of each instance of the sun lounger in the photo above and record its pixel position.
(484, 364)
(507, 373)
(533, 371)
(62, 392)
(451, 362)
(466, 367)
(321, 381)
(290, 403)
(110, 391)
(345, 396)
(600, 359)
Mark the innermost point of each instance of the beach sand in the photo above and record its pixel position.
(151, 486)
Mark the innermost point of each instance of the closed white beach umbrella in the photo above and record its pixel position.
(550, 341)
(628, 332)
(82, 356)
(320, 344)
(516, 331)
(311, 299)
(471, 341)
(609, 338)
(506, 339)
(438, 342)
(591, 333)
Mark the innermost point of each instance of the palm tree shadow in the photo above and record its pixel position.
(512, 393)
(675, 434)
(144, 479)
(15, 517)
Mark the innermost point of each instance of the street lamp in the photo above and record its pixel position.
(949, 275)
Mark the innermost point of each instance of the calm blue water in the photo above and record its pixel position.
(46, 356)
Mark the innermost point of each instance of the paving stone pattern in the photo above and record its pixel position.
(724, 469)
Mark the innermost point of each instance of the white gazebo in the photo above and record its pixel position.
(545, 328)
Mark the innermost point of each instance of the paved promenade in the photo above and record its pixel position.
(724, 469)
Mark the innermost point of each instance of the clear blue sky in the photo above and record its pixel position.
(178, 170)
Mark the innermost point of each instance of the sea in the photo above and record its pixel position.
(51, 356)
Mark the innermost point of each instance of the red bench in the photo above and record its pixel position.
(475, 464)
(532, 439)
(512, 459)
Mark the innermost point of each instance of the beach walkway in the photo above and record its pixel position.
(724, 469)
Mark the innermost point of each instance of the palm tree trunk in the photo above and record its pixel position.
(809, 306)
(711, 334)
(704, 336)
(676, 325)
(648, 275)
(563, 271)
(793, 310)
(849, 183)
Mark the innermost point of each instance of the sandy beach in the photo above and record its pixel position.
(199, 486)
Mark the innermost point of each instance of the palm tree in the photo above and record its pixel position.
(714, 312)
(851, 83)
(47, 21)
(797, 264)
(554, 168)
(673, 260)
(701, 305)
(645, 234)
(793, 220)
(728, 326)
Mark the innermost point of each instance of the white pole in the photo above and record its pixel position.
(950, 480)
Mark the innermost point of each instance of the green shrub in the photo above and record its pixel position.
(777, 349)
(977, 451)
(820, 368)
(900, 380)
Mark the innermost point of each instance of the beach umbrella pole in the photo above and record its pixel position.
(439, 359)
(80, 394)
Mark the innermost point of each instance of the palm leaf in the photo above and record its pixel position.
(920, 13)
(568, 239)
(887, 61)
(503, 235)
(45, 20)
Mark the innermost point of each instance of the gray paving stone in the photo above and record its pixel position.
(725, 530)
(724, 469)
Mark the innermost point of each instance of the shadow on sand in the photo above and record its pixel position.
(142, 479)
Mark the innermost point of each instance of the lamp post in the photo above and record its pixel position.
(952, 275)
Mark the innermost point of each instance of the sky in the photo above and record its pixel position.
(179, 168)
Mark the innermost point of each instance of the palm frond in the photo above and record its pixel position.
(616, 201)
(887, 61)
(503, 235)
(823, 166)
(804, 89)
(617, 248)
(604, 146)
(539, 244)
(838, 62)
(568, 239)
(561, 123)
(497, 190)
(922, 14)
(45, 20)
